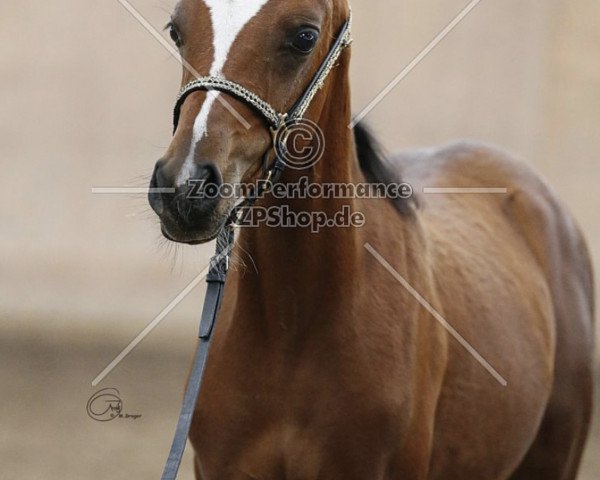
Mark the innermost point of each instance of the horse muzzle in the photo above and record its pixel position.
(189, 213)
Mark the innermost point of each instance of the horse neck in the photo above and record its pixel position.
(298, 272)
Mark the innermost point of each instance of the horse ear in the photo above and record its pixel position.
(376, 167)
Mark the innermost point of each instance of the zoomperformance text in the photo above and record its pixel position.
(302, 189)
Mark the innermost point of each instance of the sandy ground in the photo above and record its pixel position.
(46, 432)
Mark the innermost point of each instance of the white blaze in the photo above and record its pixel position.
(228, 18)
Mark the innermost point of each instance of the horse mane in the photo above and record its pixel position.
(376, 166)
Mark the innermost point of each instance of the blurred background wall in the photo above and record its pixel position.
(86, 96)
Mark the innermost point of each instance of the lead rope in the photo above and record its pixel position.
(217, 275)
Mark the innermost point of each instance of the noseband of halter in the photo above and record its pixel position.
(274, 119)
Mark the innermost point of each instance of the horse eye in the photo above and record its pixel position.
(174, 34)
(305, 40)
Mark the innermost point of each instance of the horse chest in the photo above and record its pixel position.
(274, 424)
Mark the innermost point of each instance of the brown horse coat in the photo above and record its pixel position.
(324, 366)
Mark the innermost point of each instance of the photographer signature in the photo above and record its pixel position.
(106, 405)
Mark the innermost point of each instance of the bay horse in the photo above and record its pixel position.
(324, 365)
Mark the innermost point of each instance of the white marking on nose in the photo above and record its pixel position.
(228, 18)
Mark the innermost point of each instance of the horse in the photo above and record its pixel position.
(447, 337)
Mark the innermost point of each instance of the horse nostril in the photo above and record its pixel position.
(205, 183)
(157, 184)
(210, 174)
(160, 177)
